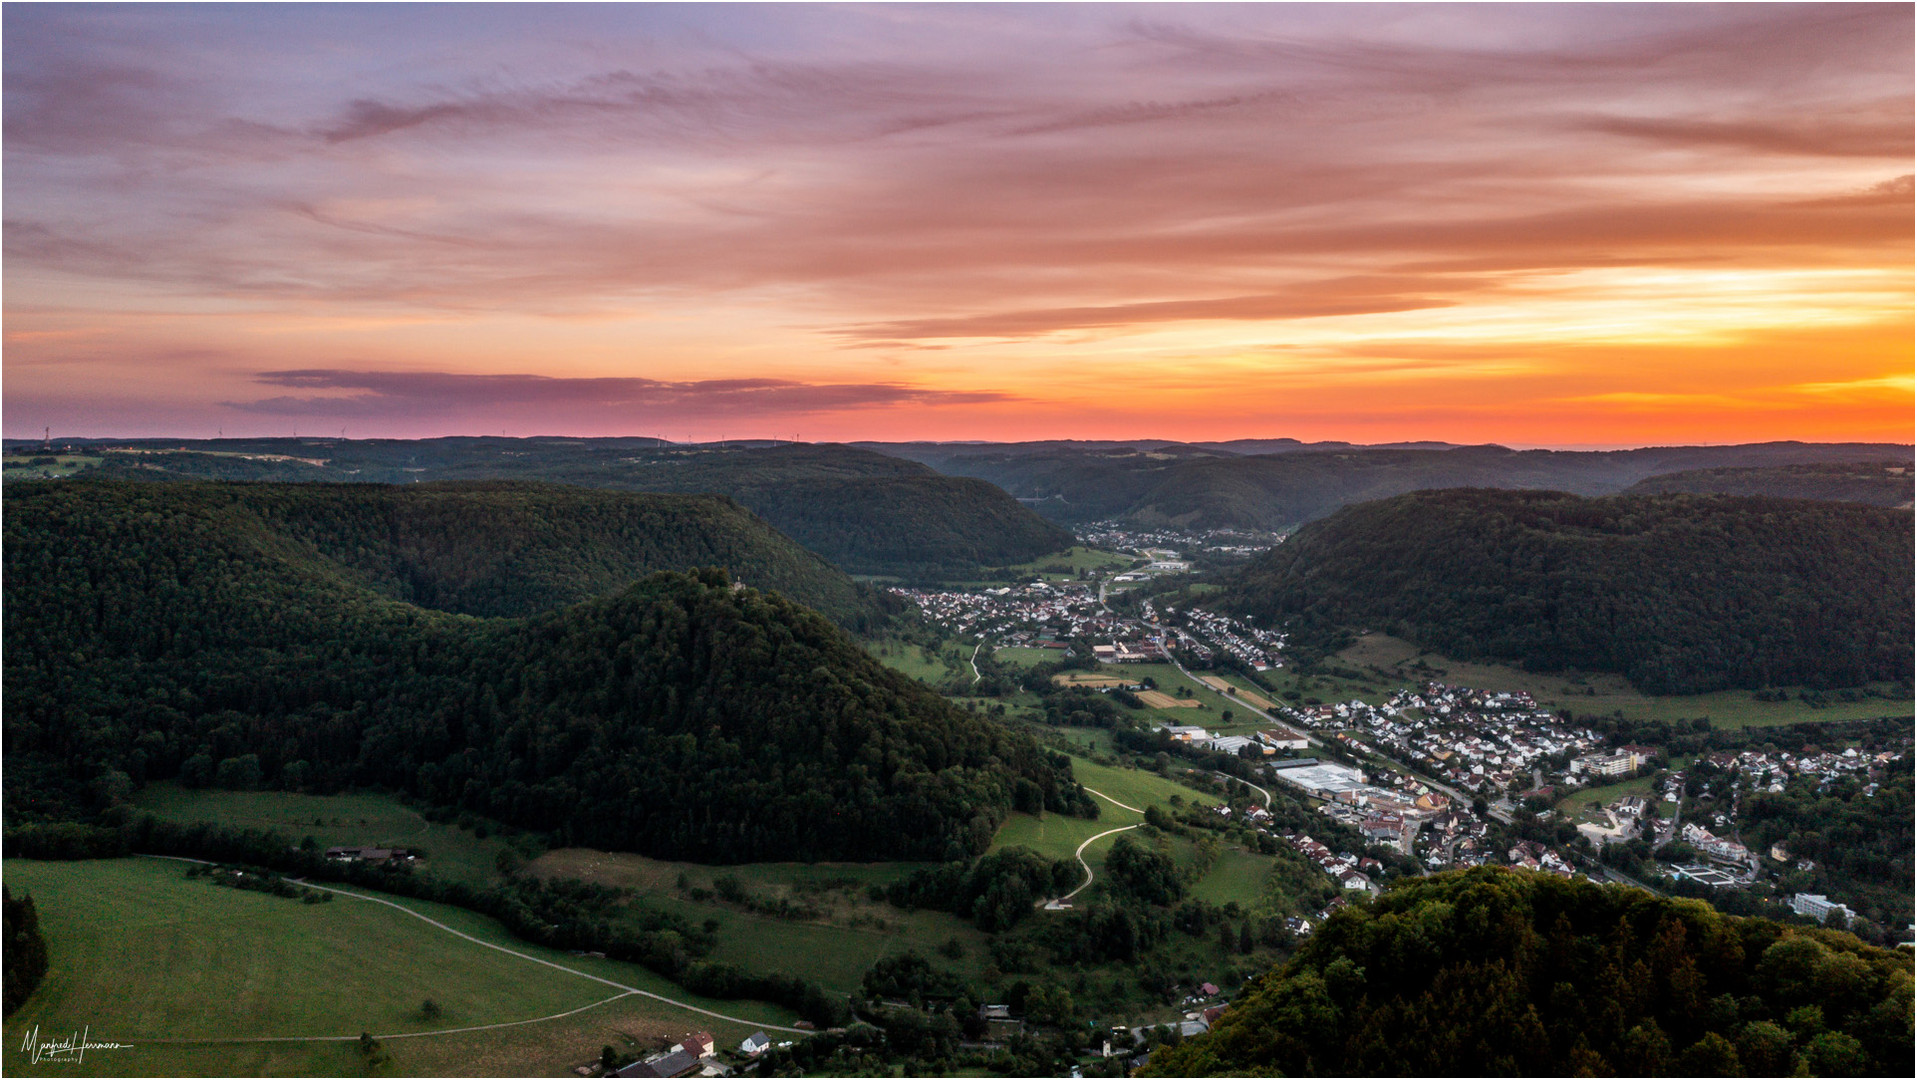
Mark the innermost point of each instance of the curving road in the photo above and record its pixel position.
(1229, 777)
(1058, 903)
(628, 990)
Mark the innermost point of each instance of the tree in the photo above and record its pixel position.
(429, 1010)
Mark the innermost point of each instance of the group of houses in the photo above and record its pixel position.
(1352, 872)
(1477, 740)
(375, 855)
(694, 1054)
(1260, 650)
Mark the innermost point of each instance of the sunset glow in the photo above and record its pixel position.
(1583, 225)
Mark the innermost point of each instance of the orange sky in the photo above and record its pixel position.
(1534, 225)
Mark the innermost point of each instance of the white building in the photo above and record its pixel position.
(1817, 907)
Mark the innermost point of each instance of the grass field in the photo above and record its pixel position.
(334, 820)
(834, 949)
(1604, 693)
(1023, 657)
(1238, 875)
(142, 953)
(1074, 560)
(947, 660)
(65, 465)
(1577, 806)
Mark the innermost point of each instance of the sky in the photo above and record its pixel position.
(1538, 225)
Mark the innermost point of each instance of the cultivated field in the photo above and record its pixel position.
(1158, 699)
(1238, 691)
(1080, 678)
(142, 954)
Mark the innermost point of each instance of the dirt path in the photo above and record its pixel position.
(1113, 801)
(628, 990)
(975, 675)
(1250, 785)
(1059, 903)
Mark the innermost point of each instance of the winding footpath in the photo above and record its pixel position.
(1229, 777)
(1058, 903)
(626, 991)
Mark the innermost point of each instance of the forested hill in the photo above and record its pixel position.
(1155, 483)
(865, 512)
(489, 548)
(1679, 593)
(1879, 483)
(160, 636)
(1496, 972)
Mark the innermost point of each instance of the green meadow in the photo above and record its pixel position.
(142, 954)
(352, 820)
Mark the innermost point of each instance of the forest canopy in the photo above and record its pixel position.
(1678, 593)
(1499, 972)
(158, 631)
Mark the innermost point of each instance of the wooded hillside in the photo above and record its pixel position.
(1497, 972)
(865, 512)
(177, 630)
(1204, 487)
(1879, 483)
(1679, 593)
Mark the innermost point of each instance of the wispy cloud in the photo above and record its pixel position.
(417, 395)
(966, 193)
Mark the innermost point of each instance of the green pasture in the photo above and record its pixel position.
(947, 659)
(1134, 787)
(1056, 836)
(354, 820)
(834, 948)
(1026, 657)
(65, 465)
(1238, 875)
(141, 953)
(1075, 559)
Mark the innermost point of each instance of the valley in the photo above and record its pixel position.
(1070, 805)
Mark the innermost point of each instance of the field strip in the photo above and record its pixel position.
(402, 1035)
(1114, 802)
(523, 956)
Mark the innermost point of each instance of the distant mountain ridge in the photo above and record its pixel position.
(1879, 483)
(1679, 593)
(1154, 484)
(866, 512)
(246, 637)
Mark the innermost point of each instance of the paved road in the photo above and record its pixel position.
(629, 990)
